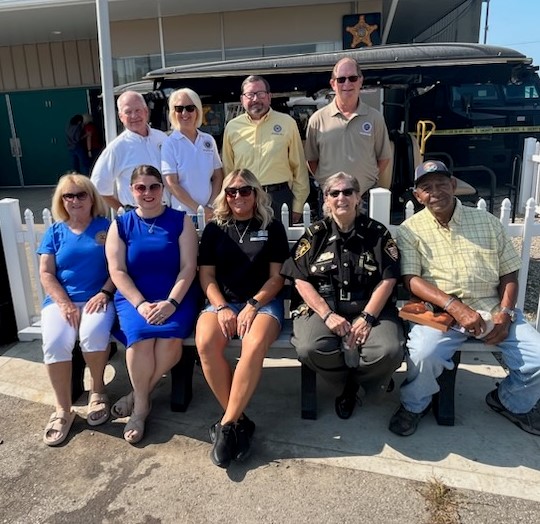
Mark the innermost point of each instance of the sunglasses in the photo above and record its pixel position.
(244, 191)
(351, 79)
(189, 108)
(336, 192)
(141, 188)
(70, 197)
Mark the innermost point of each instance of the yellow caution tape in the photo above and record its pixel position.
(488, 130)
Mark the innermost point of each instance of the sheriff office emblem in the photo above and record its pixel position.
(100, 237)
(391, 249)
(302, 248)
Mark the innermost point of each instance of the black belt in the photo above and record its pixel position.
(272, 188)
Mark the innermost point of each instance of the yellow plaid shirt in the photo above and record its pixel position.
(466, 259)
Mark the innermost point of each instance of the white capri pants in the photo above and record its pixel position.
(59, 336)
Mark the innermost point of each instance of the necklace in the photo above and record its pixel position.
(150, 226)
(241, 236)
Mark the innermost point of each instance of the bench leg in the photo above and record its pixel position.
(309, 393)
(182, 380)
(77, 372)
(443, 401)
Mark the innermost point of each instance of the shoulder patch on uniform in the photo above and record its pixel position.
(302, 248)
(391, 249)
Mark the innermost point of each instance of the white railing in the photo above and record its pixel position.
(20, 245)
(530, 175)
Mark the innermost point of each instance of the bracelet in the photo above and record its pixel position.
(108, 293)
(222, 307)
(450, 300)
(370, 319)
(173, 302)
(140, 304)
(327, 316)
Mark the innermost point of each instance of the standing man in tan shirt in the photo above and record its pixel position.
(347, 135)
(267, 143)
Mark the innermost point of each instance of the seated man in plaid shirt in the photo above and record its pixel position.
(461, 260)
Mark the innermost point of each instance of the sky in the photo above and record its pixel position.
(514, 24)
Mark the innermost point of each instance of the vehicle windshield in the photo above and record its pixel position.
(484, 95)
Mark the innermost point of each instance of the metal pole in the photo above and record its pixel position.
(105, 63)
(486, 25)
(161, 38)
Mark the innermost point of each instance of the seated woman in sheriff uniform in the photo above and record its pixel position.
(240, 257)
(345, 268)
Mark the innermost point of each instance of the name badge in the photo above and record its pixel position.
(259, 236)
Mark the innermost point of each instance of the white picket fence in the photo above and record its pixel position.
(20, 243)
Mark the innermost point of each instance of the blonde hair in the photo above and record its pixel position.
(99, 207)
(262, 211)
(194, 97)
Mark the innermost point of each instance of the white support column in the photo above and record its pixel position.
(379, 205)
(105, 64)
(17, 265)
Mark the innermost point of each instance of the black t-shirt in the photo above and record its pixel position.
(242, 268)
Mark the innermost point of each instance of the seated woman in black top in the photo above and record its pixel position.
(345, 269)
(240, 258)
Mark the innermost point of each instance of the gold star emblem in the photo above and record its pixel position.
(361, 32)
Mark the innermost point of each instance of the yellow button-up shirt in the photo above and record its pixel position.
(271, 149)
(467, 259)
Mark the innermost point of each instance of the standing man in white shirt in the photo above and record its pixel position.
(138, 144)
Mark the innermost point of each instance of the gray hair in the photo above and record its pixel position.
(333, 179)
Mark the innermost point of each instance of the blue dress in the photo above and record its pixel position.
(153, 263)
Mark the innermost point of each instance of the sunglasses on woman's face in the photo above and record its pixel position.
(70, 197)
(189, 108)
(346, 192)
(141, 188)
(243, 191)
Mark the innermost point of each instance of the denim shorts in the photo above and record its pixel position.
(274, 308)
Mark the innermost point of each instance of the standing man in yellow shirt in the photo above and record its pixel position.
(267, 143)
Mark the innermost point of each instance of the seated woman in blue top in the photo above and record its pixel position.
(73, 272)
(152, 255)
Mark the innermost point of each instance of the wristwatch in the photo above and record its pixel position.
(510, 312)
(255, 303)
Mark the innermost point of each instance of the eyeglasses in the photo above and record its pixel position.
(351, 79)
(189, 108)
(336, 192)
(141, 188)
(258, 94)
(243, 191)
(70, 197)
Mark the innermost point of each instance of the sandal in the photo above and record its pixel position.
(123, 407)
(98, 403)
(135, 423)
(59, 421)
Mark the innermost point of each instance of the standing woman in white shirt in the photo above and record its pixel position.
(190, 160)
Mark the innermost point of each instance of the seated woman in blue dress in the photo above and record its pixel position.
(152, 256)
(73, 273)
(240, 259)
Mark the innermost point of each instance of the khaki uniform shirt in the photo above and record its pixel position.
(353, 146)
(467, 259)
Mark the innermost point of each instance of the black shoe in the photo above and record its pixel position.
(529, 422)
(249, 424)
(245, 428)
(224, 446)
(346, 402)
(391, 386)
(404, 423)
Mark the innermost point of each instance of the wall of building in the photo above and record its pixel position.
(48, 65)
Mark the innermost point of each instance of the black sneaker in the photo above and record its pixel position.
(404, 422)
(245, 428)
(224, 448)
(346, 402)
(529, 422)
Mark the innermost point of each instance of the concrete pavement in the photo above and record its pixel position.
(482, 452)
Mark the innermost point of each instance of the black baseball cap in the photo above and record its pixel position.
(430, 167)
